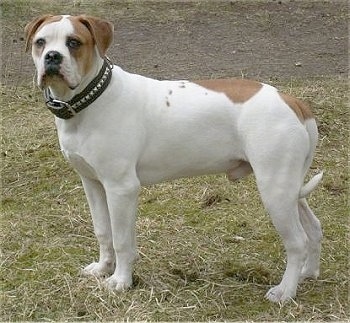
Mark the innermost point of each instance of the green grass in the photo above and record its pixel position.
(208, 249)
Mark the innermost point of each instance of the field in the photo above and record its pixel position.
(208, 251)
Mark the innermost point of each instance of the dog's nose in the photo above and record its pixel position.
(53, 59)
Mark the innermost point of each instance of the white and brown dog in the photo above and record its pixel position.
(122, 130)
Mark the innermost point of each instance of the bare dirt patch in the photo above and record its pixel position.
(202, 39)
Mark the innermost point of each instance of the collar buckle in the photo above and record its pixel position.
(64, 106)
(59, 108)
(57, 104)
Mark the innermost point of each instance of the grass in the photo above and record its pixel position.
(208, 250)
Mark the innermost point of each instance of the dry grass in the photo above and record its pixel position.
(208, 250)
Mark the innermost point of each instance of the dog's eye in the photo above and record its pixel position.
(40, 42)
(73, 43)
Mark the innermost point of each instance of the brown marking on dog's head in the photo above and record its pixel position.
(88, 35)
(300, 108)
(237, 90)
(100, 30)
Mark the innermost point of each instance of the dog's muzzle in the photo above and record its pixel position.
(52, 63)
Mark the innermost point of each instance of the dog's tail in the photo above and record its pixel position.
(306, 189)
(310, 185)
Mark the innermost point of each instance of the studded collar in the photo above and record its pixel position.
(67, 110)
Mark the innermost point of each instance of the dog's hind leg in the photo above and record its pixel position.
(96, 197)
(279, 170)
(313, 230)
(280, 201)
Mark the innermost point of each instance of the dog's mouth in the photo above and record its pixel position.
(54, 77)
(49, 76)
(52, 70)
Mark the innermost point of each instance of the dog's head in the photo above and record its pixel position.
(66, 49)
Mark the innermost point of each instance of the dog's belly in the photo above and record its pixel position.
(191, 150)
(152, 175)
(184, 155)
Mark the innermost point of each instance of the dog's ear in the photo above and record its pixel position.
(101, 31)
(31, 28)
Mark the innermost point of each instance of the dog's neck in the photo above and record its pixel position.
(60, 91)
(81, 100)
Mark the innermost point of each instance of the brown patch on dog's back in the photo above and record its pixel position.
(300, 108)
(241, 90)
(237, 90)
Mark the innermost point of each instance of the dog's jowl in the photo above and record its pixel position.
(121, 130)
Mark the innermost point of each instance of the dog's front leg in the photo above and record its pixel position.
(122, 203)
(96, 196)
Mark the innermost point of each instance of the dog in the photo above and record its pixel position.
(121, 130)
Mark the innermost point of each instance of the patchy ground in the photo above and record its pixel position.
(202, 39)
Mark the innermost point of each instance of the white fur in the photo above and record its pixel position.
(142, 131)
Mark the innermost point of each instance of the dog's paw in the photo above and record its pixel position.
(115, 283)
(98, 270)
(279, 294)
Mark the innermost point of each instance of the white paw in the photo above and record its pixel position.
(118, 284)
(98, 270)
(279, 294)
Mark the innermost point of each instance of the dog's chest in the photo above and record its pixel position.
(74, 150)
(80, 164)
